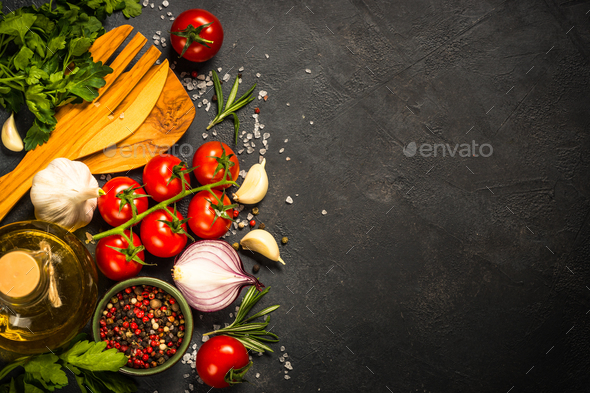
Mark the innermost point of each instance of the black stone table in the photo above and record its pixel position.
(461, 271)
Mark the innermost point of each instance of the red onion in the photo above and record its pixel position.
(210, 275)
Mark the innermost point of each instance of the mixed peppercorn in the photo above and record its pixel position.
(145, 323)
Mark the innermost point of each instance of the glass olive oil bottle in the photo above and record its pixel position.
(48, 287)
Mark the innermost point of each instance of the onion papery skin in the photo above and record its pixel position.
(210, 275)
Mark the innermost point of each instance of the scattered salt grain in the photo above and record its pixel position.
(199, 105)
(226, 77)
(194, 346)
(163, 43)
(288, 159)
(214, 133)
(324, 212)
(287, 377)
(199, 380)
(258, 74)
(122, 115)
(266, 55)
(160, 7)
(157, 37)
(241, 207)
(262, 126)
(260, 159)
(201, 85)
(163, 39)
(266, 135)
(282, 150)
(152, 5)
(265, 143)
(243, 174)
(311, 122)
(205, 101)
(172, 18)
(240, 151)
(162, 17)
(249, 136)
(286, 140)
(169, 13)
(256, 133)
(209, 83)
(160, 33)
(238, 307)
(201, 77)
(205, 135)
(219, 69)
(289, 200)
(308, 70)
(250, 150)
(145, 3)
(156, 42)
(165, 3)
(208, 106)
(288, 104)
(252, 144)
(281, 359)
(288, 365)
(159, 62)
(257, 375)
(262, 152)
(285, 355)
(250, 216)
(205, 339)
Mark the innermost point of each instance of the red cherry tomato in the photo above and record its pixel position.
(203, 44)
(219, 355)
(159, 238)
(157, 174)
(210, 157)
(118, 191)
(202, 213)
(114, 264)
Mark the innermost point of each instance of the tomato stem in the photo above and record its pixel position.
(191, 34)
(120, 230)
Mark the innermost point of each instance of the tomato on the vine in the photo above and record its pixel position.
(211, 160)
(115, 205)
(163, 234)
(115, 260)
(222, 361)
(210, 214)
(162, 177)
(196, 35)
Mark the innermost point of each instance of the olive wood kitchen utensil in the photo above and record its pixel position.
(99, 124)
(171, 117)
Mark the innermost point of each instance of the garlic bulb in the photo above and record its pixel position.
(65, 193)
(255, 185)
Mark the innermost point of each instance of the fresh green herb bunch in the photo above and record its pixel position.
(94, 368)
(44, 58)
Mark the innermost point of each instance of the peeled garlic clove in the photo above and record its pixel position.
(262, 242)
(255, 185)
(10, 136)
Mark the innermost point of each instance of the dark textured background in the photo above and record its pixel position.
(434, 274)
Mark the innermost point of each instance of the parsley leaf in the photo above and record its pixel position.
(92, 357)
(21, 60)
(44, 369)
(17, 25)
(132, 8)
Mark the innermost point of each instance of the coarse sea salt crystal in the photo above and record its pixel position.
(243, 174)
(162, 17)
(265, 143)
(160, 33)
(266, 135)
(199, 105)
(152, 5)
(145, 3)
(289, 200)
(256, 134)
(257, 375)
(311, 122)
(219, 69)
(241, 69)
(240, 151)
(246, 144)
(287, 377)
(288, 365)
(156, 42)
(252, 144)
(308, 70)
(160, 7)
(165, 3)
(282, 348)
(286, 140)
(207, 107)
(266, 55)
(258, 74)
(169, 13)
(250, 216)
(201, 77)
(250, 150)
(262, 151)
(205, 135)
(205, 339)
(163, 44)
(249, 135)
(205, 101)
(324, 212)
(226, 77)
(214, 133)
(282, 150)
(172, 18)
(262, 126)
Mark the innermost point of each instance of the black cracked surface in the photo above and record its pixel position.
(428, 274)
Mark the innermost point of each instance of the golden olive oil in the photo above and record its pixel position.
(64, 298)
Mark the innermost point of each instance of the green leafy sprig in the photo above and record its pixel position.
(44, 58)
(231, 105)
(94, 368)
(251, 334)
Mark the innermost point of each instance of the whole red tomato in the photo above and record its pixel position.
(210, 217)
(160, 238)
(121, 191)
(196, 35)
(217, 357)
(118, 265)
(162, 177)
(210, 161)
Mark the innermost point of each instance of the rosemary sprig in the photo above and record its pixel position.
(232, 105)
(251, 334)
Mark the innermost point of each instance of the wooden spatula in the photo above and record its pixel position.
(74, 136)
(171, 117)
